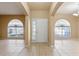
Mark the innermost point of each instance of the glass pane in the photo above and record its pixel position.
(15, 29)
(33, 22)
(33, 30)
(34, 33)
(62, 28)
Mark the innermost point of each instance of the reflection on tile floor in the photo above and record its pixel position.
(17, 48)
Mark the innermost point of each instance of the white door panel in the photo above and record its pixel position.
(41, 30)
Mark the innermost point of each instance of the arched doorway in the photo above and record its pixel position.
(62, 29)
(15, 29)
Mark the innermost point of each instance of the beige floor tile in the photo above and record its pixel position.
(61, 48)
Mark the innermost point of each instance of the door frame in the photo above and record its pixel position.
(48, 28)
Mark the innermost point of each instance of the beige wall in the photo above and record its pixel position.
(0, 29)
(39, 14)
(77, 27)
(5, 19)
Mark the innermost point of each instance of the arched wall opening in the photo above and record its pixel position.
(15, 29)
(62, 29)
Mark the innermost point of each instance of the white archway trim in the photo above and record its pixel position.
(62, 22)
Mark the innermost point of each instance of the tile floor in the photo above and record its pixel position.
(17, 48)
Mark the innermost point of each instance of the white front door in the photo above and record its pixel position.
(39, 30)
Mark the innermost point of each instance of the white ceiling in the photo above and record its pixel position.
(11, 8)
(68, 8)
(15, 8)
(39, 5)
